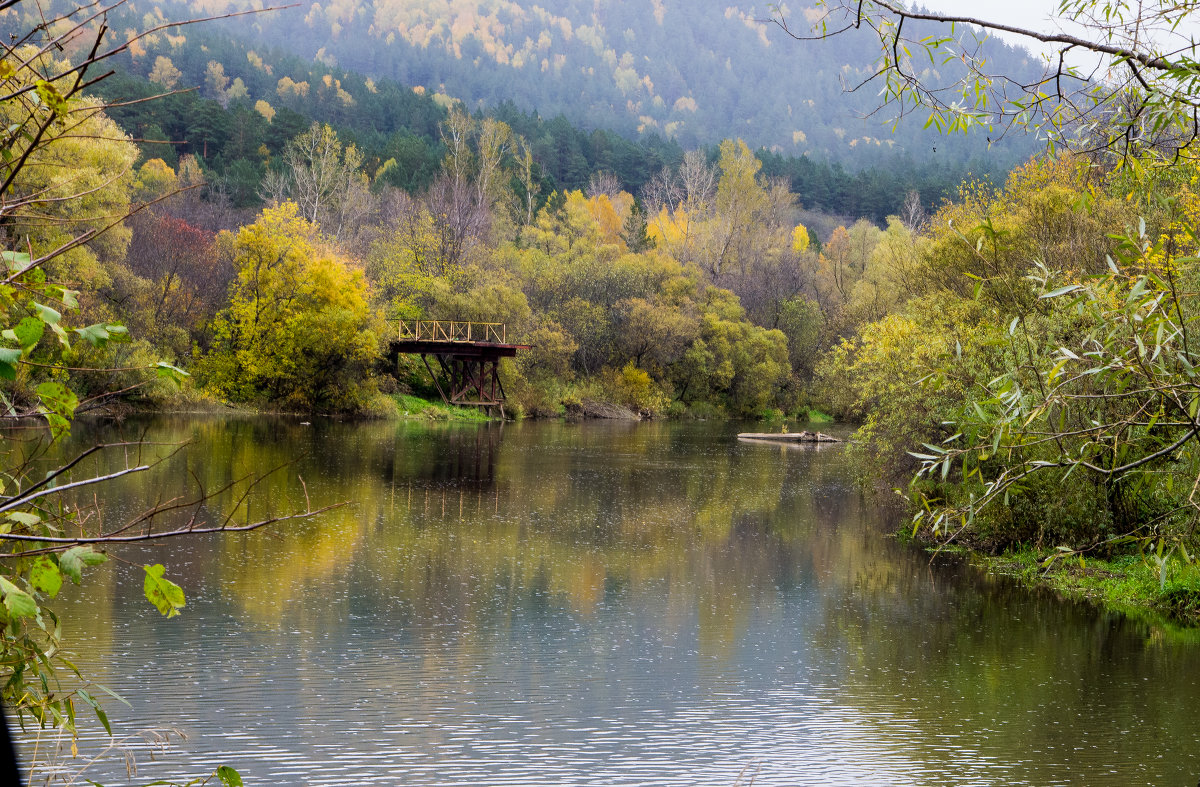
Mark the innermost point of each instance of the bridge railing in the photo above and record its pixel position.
(453, 331)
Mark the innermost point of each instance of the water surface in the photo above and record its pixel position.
(597, 604)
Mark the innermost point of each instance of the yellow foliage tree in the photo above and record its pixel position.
(155, 179)
(297, 331)
(165, 73)
(800, 239)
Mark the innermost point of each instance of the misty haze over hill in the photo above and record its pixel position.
(695, 71)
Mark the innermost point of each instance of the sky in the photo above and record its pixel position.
(1021, 13)
(1034, 14)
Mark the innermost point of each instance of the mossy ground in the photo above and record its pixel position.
(1133, 583)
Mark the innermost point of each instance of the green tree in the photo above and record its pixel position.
(635, 231)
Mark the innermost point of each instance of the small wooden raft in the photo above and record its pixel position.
(790, 437)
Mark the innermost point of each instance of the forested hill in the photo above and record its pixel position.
(695, 71)
(235, 105)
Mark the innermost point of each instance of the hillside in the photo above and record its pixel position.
(695, 72)
(235, 105)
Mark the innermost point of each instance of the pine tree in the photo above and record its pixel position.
(634, 232)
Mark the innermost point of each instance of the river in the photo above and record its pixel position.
(594, 604)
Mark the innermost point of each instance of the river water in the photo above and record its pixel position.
(593, 604)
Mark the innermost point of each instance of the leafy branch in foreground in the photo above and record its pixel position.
(48, 534)
(1138, 91)
(1116, 405)
(65, 177)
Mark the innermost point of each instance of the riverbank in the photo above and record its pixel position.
(1131, 584)
(417, 408)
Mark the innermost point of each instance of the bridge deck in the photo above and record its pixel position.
(459, 348)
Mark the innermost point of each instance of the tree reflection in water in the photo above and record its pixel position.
(610, 603)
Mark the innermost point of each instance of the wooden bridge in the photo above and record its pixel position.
(468, 353)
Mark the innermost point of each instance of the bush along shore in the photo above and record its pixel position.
(1049, 403)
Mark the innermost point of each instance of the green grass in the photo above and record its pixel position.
(414, 407)
(1131, 584)
(809, 415)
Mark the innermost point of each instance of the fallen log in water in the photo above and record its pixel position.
(790, 437)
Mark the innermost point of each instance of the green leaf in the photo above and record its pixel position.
(101, 334)
(29, 332)
(23, 518)
(1060, 291)
(229, 777)
(74, 559)
(58, 405)
(45, 576)
(19, 603)
(48, 315)
(164, 594)
(100, 714)
(14, 260)
(169, 372)
(63, 339)
(96, 335)
(9, 358)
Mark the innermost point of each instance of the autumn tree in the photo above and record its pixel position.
(180, 281)
(464, 198)
(165, 73)
(216, 82)
(404, 262)
(155, 180)
(298, 330)
(73, 180)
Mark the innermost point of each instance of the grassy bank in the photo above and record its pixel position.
(1133, 584)
(803, 416)
(416, 408)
